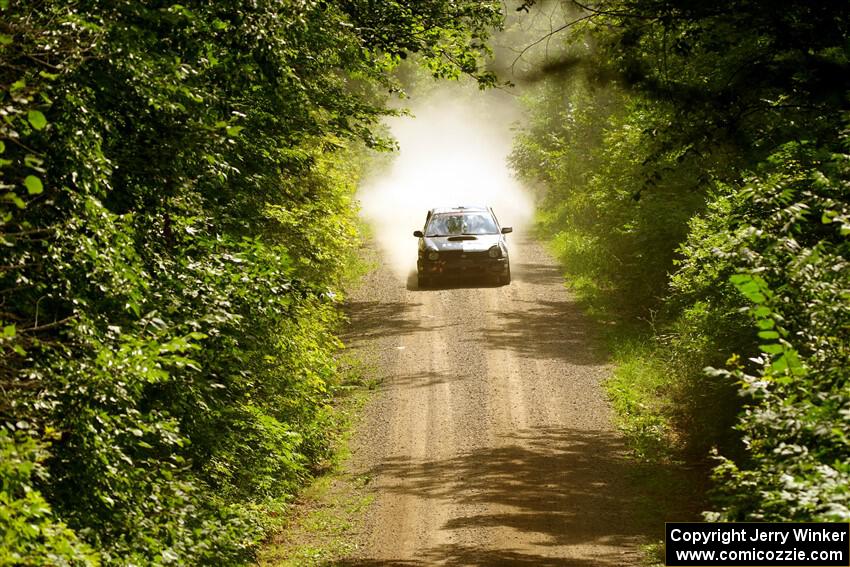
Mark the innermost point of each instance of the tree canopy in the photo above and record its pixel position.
(176, 218)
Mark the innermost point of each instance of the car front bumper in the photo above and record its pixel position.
(460, 267)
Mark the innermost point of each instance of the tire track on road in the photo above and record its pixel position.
(491, 442)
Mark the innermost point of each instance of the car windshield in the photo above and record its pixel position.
(453, 224)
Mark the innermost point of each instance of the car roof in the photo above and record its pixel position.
(460, 209)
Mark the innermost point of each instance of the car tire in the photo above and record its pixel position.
(506, 279)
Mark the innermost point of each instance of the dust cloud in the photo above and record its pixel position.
(452, 151)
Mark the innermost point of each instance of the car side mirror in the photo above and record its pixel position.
(418, 234)
(507, 229)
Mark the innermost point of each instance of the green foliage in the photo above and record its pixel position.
(696, 179)
(637, 391)
(598, 209)
(31, 533)
(797, 262)
(176, 218)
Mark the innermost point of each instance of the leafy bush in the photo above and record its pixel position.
(176, 219)
(794, 259)
(31, 533)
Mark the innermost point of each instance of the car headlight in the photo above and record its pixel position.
(433, 255)
(495, 252)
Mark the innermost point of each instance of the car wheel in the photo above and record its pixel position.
(424, 281)
(506, 279)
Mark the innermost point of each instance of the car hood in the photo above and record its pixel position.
(477, 243)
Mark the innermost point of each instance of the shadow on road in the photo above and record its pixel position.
(462, 555)
(558, 486)
(565, 494)
(538, 274)
(454, 282)
(370, 320)
(545, 329)
(422, 379)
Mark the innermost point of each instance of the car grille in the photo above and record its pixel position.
(460, 256)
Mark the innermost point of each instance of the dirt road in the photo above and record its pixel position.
(490, 442)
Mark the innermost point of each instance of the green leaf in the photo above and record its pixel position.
(234, 130)
(756, 297)
(33, 162)
(9, 331)
(5, 39)
(780, 364)
(2, 147)
(33, 184)
(10, 196)
(37, 119)
(761, 311)
(768, 335)
(773, 348)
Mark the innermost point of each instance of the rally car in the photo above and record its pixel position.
(462, 241)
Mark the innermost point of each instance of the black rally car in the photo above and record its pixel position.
(462, 241)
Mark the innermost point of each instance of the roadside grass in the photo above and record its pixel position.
(358, 263)
(640, 384)
(643, 392)
(322, 523)
(636, 390)
(665, 492)
(669, 488)
(653, 554)
(322, 526)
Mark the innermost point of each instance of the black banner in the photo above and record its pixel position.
(692, 544)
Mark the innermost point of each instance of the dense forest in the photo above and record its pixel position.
(696, 165)
(178, 222)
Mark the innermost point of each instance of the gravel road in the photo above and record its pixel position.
(490, 441)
